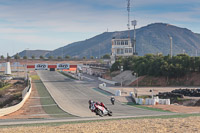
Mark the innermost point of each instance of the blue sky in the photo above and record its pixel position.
(49, 24)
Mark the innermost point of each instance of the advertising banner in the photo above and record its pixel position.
(41, 66)
(63, 66)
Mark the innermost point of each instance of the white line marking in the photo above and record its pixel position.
(43, 105)
(38, 97)
(87, 78)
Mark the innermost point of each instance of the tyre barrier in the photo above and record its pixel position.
(25, 95)
(188, 92)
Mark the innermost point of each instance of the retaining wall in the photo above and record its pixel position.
(103, 87)
(107, 81)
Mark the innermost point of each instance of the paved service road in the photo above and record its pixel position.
(72, 96)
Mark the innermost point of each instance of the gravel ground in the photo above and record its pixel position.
(171, 125)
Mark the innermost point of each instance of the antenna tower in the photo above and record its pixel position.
(128, 25)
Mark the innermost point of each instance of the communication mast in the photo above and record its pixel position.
(128, 25)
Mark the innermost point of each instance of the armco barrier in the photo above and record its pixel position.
(25, 95)
(103, 87)
(107, 81)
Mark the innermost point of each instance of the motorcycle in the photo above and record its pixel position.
(112, 100)
(100, 110)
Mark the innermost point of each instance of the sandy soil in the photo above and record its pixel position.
(172, 125)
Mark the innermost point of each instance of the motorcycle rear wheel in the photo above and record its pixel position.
(99, 113)
(109, 113)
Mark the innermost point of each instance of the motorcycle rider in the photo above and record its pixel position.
(92, 103)
(112, 99)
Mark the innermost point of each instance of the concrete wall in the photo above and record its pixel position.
(107, 81)
(103, 87)
(25, 95)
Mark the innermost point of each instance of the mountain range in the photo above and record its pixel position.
(36, 53)
(153, 38)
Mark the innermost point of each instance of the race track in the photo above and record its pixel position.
(72, 96)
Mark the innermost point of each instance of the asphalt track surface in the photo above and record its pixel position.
(72, 96)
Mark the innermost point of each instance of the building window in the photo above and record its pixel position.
(122, 51)
(118, 51)
(118, 42)
(122, 42)
(126, 42)
(115, 43)
(126, 50)
(130, 50)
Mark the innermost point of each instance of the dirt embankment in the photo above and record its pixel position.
(191, 79)
(12, 93)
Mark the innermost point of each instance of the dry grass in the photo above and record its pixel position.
(180, 125)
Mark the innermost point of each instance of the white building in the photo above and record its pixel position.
(122, 47)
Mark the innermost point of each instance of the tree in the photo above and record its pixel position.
(8, 57)
(33, 57)
(17, 56)
(67, 57)
(41, 57)
(59, 57)
(50, 57)
(92, 57)
(25, 57)
(106, 56)
(84, 57)
(116, 66)
(2, 57)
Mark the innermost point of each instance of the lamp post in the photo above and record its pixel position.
(121, 70)
(26, 76)
(134, 23)
(170, 45)
(136, 90)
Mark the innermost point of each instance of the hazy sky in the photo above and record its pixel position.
(49, 24)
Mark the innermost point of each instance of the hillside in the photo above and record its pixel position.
(150, 39)
(36, 53)
(190, 79)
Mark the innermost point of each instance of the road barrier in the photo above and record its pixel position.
(103, 87)
(107, 81)
(151, 101)
(25, 95)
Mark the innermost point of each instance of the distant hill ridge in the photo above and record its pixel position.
(36, 53)
(152, 38)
